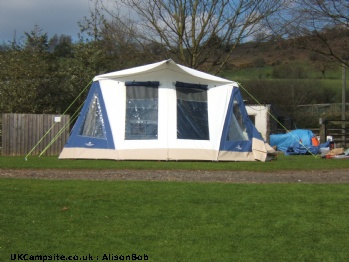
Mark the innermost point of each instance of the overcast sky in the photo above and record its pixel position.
(53, 16)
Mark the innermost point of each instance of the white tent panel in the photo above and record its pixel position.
(167, 65)
(114, 99)
(218, 102)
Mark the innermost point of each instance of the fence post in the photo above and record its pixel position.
(344, 81)
(322, 133)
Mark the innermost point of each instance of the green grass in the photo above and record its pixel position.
(265, 72)
(175, 221)
(243, 76)
(333, 77)
(248, 73)
(306, 162)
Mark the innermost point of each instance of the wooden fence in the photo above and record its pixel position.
(338, 129)
(21, 132)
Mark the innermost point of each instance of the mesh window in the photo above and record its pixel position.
(93, 123)
(192, 112)
(237, 129)
(141, 110)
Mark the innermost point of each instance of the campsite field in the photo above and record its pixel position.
(283, 163)
(172, 221)
(67, 213)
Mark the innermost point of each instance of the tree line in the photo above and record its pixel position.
(42, 75)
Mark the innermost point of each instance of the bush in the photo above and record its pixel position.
(288, 95)
(259, 62)
(287, 71)
(276, 63)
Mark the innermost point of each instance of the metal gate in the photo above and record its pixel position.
(339, 130)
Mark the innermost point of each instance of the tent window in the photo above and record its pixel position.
(141, 110)
(192, 112)
(93, 123)
(237, 129)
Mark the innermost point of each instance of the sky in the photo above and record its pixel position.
(52, 16)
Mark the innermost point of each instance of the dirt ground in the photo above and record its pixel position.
(315, 176)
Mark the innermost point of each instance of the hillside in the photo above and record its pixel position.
(252, 55)
(287, 77)
(280, 51)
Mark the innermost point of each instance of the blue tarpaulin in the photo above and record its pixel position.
(296, 142)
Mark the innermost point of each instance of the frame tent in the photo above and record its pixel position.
(164, 111)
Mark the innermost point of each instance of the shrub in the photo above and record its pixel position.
(287, 71)
(259, 62)
(288, 95)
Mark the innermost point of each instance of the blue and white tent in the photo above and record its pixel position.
(164, 111)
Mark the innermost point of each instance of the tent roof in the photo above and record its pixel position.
(159, 66)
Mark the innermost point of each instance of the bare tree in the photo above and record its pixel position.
(319, 26)
(195, 32)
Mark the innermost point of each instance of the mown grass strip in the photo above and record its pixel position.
(282, 163)
(175, 221)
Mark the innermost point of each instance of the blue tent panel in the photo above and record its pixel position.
(92, 128)
(238, 129)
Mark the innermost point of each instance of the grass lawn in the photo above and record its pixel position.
(171, 221)
(304, 162)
